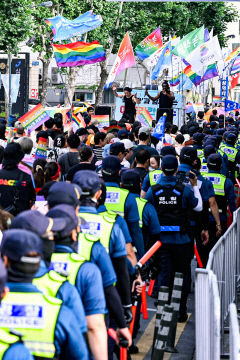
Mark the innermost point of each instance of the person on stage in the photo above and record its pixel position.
(130, 101)
(166, 98)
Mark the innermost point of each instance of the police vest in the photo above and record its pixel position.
(204, 167)
(200, 153)
(230, 151)
(141, 205)
(97, 225)
(50, 282)
(69, 262)
(115, 199)
(6, 341)
(168, 204)
(154, 176)
(35, 316)
(218, 181)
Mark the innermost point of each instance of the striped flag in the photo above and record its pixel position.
(78, 120)
(236, 66)
(195, 78)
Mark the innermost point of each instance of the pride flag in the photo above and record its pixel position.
(233, 54)
(41, 152)
(78, 53)
(145, 118)
(149, 45)
(236, 66)
(175, 80)
(78, 120)
(196, 79)
(210, 73)
(34, 118)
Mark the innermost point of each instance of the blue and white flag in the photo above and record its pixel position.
(185, 83)
(163, 61)
(159, 130)
(231, 105)
(64, 29)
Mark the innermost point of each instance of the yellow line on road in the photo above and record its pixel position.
(145, 342)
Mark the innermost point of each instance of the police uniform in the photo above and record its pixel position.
(233, 156)
(151, 179)
(12, 347)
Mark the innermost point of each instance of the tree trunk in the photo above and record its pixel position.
(43, 93)
(70, 86)
(103, 79)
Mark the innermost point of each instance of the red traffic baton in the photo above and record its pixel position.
(150, 288)
(144, 301)
(134, 309)
(149, 254)
(197, 256)
(123, 343)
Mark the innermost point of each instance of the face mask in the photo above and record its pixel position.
(151, 168)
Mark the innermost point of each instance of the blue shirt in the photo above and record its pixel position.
(117, 245)
(121, 222)
(89, 285)
(68, 338)
(132, 218)
(188, 202)
(17, 351)
(70, 298)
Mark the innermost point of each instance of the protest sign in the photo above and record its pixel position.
(34, 118)
(41, 152)
(102, 119)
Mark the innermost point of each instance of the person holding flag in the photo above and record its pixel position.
(166, 98)
(130, 101)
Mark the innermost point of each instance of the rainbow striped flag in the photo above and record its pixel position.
(233, 54)
(41, 152)
(149, 45)
(78, 120)
(175, 80)
(78, 53)
(34, 118)
(211, 72)
(195, 78)
(145, 118)
(236, 66)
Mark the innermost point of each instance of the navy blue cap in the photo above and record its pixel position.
(3, 276)
(168, 150)
(36, 222)
(208, 150)
(68, 214)
(188, 155)
(220, 131)
(116, 148)
(214, 161)
(130, 178)
(88, 181)
(64, 193)
(169, 164)
(122, 133)
(231, 137)
(198, 137)
(17, 243)
(111, 165)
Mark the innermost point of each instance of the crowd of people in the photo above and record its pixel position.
(75, 224)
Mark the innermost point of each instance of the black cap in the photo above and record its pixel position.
(169, 164)
(188, 155)
(130, 178)
(12, 154)
(66, 213)
(116, 148)
(208, 150)
(111, 165)
(214, 161)
(198, 138)
(64, 193)
(168, 150)
(88, 181)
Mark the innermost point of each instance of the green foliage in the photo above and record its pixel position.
(15, 24)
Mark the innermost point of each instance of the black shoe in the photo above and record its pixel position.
(182, 317)
(154, 295)
(133, 349)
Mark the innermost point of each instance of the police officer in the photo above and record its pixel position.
(51, 283)
(48, 327)
(198, 144)
(105, 229)
(233, 155)
(64, 193)
(225, 196)
(11, 344)
(173, 201)
(121, 201)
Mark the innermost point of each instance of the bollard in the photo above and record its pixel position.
(144, 301)
(163, 332)
(150, 288)
(163, 295)
(175, 303)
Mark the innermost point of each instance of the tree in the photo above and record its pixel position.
(15, 25)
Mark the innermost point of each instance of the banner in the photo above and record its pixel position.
(159, 130)
(15, 83)
(149, 45)
(102, 119)
(63, 28)
(234, 80)
(231, 105)
(189, 43)
(41, 152)
(34, 118)
(125, 59)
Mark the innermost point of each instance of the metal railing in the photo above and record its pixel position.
(224, 263)
(234, 344)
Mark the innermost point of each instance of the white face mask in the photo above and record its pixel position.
(151, 168)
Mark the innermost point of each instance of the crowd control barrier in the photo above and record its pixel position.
(215, 290)
(234, 340)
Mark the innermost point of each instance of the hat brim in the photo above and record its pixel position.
(59, 224)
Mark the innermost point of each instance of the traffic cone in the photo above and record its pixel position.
(163, 332)
(175, 303)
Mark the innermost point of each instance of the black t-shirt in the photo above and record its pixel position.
(130, 107)
(142, 172)
(78, 167)
(68, 160)
(165, 102)
(9, 183)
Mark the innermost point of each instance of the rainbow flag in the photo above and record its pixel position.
(236, 66)
(233, 54)
(78, 53)
(210, 73)
(196, 79)
(78, 120)
(34, 118)
(175, 80)
(145, 118)
(149, 45)
(41, 152)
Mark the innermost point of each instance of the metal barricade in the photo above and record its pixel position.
(207, 318)
(234, 343)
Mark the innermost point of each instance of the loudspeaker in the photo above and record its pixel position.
(103, 110)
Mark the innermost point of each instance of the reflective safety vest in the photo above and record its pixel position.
(50, 282)
(200, 153)
(69, 262)
(154, 176)
(230, 151)
(6, 341)
(35, 316)
(218, 181)
(141, 204)
(98, 225)
(204, 167)
(115, 199)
